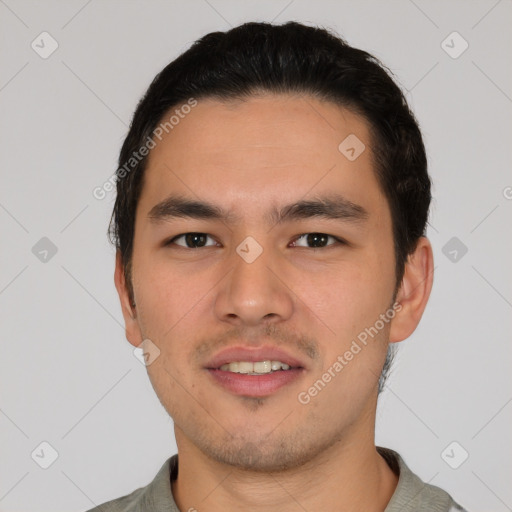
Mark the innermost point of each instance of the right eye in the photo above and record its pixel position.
(191, 240)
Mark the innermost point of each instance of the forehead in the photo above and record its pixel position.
(271, 147)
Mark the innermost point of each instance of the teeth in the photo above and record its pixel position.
(263, 367)
(244, 367)
(257, 368)
(232, 367)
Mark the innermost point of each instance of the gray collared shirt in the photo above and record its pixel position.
(411, 494)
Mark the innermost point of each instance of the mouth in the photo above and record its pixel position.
(256, 368)
(256, 372)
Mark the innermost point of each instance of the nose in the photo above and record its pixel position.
(254, 293)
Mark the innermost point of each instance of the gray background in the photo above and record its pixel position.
(69, 377)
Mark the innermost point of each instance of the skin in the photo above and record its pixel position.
(272, 452)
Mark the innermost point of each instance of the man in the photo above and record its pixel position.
(272, 200)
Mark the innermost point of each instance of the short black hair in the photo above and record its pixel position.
(290, 58)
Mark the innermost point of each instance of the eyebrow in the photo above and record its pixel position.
(331, 207)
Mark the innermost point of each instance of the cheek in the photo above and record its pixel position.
(175, 308)
(347, 297)
(166, 297)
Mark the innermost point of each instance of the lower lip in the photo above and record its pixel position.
(255, 385)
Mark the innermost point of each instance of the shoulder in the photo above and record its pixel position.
(156, 496)
(411, 493)
(128, 503)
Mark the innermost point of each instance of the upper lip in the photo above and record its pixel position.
(253, 354)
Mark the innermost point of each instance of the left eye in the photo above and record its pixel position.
(316, 240)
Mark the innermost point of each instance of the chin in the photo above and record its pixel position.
(267, 452)
(253, 457)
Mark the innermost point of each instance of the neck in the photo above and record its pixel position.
(349, 476)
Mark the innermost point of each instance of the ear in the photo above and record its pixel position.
(414, 291)
(133, 333)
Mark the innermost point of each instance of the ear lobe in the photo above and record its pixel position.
(414, 291)
(133, 333)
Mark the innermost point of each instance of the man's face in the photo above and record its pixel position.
(252, 283)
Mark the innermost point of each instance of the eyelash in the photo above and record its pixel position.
(339, 241)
